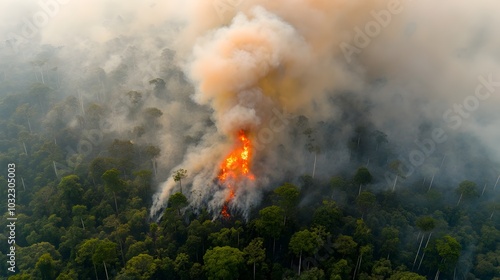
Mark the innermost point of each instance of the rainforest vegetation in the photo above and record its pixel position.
(85, 214)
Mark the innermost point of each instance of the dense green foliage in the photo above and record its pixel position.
(85, 214)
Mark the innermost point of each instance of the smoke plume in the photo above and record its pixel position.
(312, 82)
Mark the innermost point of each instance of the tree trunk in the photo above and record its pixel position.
(121, 251)
(95, 271)
(105, 269)
(356, 267)
(430, 185)
(300, 261)
(460, 199)
(437, 275)
(423, 254)
(418, 251)
(253, 270)
(116, 204)
(41, 73)
(29, 124)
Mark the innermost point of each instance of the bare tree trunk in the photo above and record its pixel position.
(300, 261)
(29, 124)
(430, 185)
(55, 169)
(121, 251)
(395, 181)
(437, 275)
(418, 251)
(460, 199)
(253, 270)
(106, 270)
(356, 267)
(116, 204)
(444, 157)
(41, 73)
(95, 270)
(494, 188)
(423, 254)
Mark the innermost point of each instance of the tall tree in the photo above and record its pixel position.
(177, 201)
(425, 224)
(141, 267)
(287, 197)
(255, 253)
(304, 241)
(448, 248)
(46, 266)
(270, 223)
(113, 183)
(467, 190)
(223, 263)
(179, 175)
(362, 177)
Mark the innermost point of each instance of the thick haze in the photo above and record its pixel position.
(415, 70)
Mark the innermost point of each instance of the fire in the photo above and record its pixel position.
(236, 167)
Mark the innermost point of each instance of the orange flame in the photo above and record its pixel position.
(236, 167)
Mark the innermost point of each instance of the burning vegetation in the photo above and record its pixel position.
(235, 169)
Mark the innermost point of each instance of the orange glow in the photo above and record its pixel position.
(236, 167)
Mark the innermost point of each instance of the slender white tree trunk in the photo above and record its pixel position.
(106, 270)
(95, 271)
(418, 251)
(460, 199)
(300, 261)
(494, 188)
(437, 275)
(423, 254)
(430, 185)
